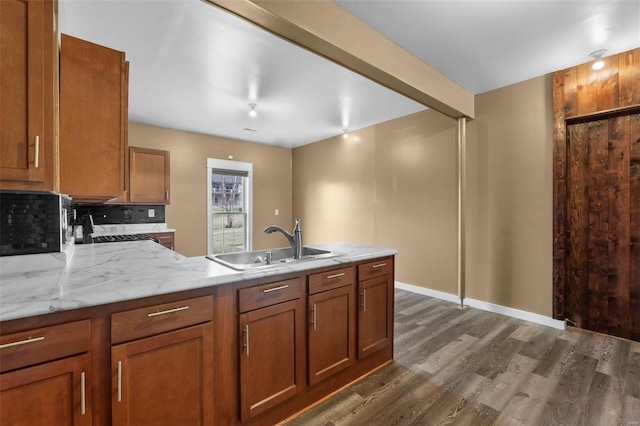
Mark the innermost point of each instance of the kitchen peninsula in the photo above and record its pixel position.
(125, 322)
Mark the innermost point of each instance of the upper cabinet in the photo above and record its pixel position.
(93, 121)
(148, 176)
(27, 105)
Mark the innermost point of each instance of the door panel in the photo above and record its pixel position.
(603, 215)
(634, 270)
(166, 379)
(48, 394)
(272, 356)
(331, 332)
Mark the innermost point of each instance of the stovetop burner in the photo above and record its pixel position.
(121, 238)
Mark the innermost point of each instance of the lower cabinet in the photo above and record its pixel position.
(274, 349)
(331, 330)
(375, 314)
(167, 377)
(46, 376)
(167, 239)
(53, 393)
(271, 345)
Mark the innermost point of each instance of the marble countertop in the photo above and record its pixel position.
(97, 274)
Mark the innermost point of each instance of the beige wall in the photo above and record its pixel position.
(189, 153)
(394, 184)
(511, 197)
(390, 185)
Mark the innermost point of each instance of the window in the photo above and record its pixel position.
(229, 215)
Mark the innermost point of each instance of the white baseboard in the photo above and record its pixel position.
(485, 306)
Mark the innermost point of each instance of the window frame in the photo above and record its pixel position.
(239, 166)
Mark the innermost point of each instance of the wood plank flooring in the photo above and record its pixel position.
(471, 367)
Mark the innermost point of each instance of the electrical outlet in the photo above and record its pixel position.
(277, 212)
(152, 212)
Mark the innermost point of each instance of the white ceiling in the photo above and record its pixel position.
(194, 67)
(483, 45)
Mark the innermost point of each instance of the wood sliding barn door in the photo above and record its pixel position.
(603, 225)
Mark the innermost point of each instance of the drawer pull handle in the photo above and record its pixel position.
(379, 265)
(168, 311)
(119, 381)
(314, 321)
(246, 339)
(281, 287)
(330, 277)
(36, 160)
(364, 300)
(83, 399)
(22, 342)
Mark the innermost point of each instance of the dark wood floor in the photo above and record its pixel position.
(471, 367)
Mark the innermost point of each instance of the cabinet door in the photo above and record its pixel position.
(331, 333)
(25, 80)
(93, 120)
(148, 176)
(272, 356)
(164, 380)
(53, 393)
(375, 324)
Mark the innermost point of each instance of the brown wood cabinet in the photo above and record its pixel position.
(166, 378)
(243, 352)
(167, 239)
(93, 121)
(148, 176)
(332, 323)
(375, 314)
(53, 393)
(28, 62)
(46, 377)
(271, 346)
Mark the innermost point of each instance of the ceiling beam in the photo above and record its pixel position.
(325, 28)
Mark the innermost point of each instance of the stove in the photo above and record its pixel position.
(122, 238)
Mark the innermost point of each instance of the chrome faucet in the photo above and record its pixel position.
(295, 238)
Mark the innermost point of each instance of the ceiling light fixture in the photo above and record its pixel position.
(597, 55)
(253, 112)
(345, 133)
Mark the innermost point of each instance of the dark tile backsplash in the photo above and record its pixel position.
(29, 223)
(127, 214)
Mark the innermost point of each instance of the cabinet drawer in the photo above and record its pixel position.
(143, 322)
(331, 279)
(44, 344)
(164, 238)
(269, 294)
(375, 268)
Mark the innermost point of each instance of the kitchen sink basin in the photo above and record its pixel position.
(246, 260)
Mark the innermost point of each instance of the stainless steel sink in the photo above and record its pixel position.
(245, 260)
